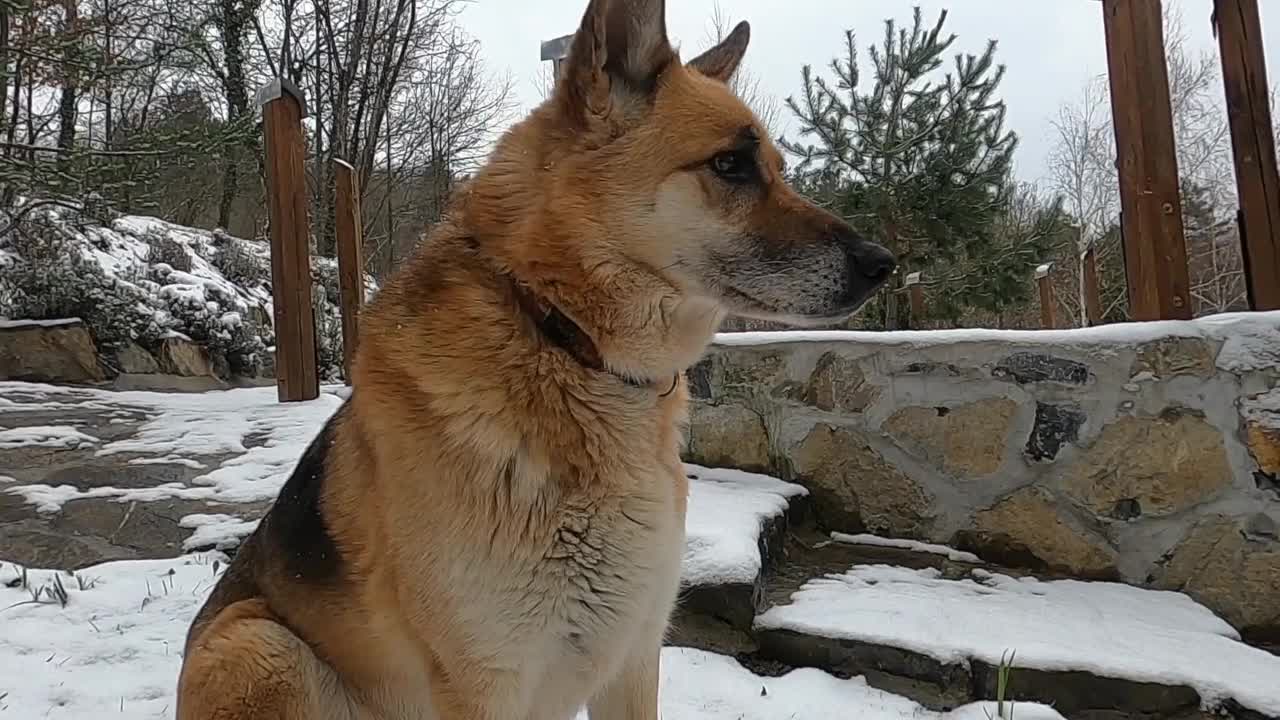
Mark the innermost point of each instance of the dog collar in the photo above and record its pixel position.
(565, 334)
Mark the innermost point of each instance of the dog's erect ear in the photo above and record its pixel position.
(721, 61)
(621, 45)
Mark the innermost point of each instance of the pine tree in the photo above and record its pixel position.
(921, 161)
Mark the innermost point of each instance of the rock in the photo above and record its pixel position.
(1056, 425)
(855, 489)
(748, 375)
(699, 378)
(931, 368)
(1264, 446)
(1027, 367)
(1031, 528)
(935, 683)
(727, 436)
(1167, 464)
(1234, 575)
(1170, 356)
(837, 383)
(1081, 694)
(966, 440)
(1262, 430)
(179, 356)
(133, 359)
(60, 351)
(160, 382)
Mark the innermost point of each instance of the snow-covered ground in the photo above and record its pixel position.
(1107, 629)
(247, 443)
(114, 650)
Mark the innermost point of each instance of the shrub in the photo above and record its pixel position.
(239, 264)
(51, 279)
(164, 249)
(328, 335)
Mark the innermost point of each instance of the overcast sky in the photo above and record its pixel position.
(1051, 47)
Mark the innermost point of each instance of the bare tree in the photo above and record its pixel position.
(744, 83)
(1082, 168)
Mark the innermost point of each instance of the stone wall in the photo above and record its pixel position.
(64, 352)
(1143, 452)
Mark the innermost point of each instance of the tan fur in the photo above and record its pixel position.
(508, 523)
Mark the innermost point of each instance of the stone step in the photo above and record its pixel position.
(937, 633)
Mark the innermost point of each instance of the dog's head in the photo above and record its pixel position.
(681, 177)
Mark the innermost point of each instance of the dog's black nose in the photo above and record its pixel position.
(872, 261)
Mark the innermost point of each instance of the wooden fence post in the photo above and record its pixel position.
(1155, 252)
(350, 236)
(1048, 308)
(1244, 76)
(282, 113)
(915, 295)
(1092, 294)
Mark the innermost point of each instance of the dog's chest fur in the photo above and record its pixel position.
(573, 551)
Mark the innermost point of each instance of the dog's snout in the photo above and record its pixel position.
(866, 259)
(872, 261)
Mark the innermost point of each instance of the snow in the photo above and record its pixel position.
(16, 324)
(215, 530)
(181, 427)
(114, 650)
(912, 545)
(1108, 629)
(1250, 340)
(727, 511)
(48, 436)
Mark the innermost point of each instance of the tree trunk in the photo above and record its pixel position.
(69, 100)
(892, 287)
(233, 25)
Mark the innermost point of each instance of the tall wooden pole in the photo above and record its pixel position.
(349, 232)
(1092, 293)
(1244, 76)
(282, 113)
(915, 298)
(1155, 246)
(1048, 307)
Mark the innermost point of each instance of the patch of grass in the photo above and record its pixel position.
(46, 594)
(1004, 673)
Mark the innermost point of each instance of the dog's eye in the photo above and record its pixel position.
(734, 165)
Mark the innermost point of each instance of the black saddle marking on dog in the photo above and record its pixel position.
(295, 526)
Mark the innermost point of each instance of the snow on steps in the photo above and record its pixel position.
(114, 650)
(1086, 648)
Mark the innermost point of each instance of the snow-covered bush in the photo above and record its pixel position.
(48, 278)
(166, 250)
(328, 334)
(141, 278)
(238, 263)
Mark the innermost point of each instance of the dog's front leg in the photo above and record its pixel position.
(633, 693)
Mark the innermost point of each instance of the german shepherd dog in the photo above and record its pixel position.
(492, 526)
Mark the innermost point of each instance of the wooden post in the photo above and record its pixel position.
(1244, 75)
(1092, 294)
(350, 236)
(1155, 252)
(1048, 308)
(915, 295)
(282, 113)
